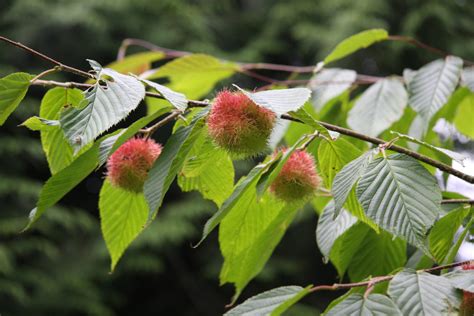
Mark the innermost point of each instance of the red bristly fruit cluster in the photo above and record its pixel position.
(238, 125)
(467, 306)
(128, 166)
(298, 180)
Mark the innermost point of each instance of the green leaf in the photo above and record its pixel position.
(178, 100)
(461, 279)
(105, 107)
(59, 184)
(280, 101)
(241, 188)
(423, 294)
(442, 234)
(449, 153)
(13, 89)
(273, 302)
(373, 304)
(123, 215)
(330, 83)
(345, 179)
(355, 42)
(378, 254)
(433, 84)
(249, 234)
(464, 115)
(194, 75)
(136, 63)
(309, 120)
(36, 123)
(346, 247)
(58, 151)
(401, 196)
(331, 227)
(208, 170)
(378, 107)
(170, 161)
(111, 144)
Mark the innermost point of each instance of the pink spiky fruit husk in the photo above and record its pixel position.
(238, 125)
(298, 180)
(128, 166)
(467, 306)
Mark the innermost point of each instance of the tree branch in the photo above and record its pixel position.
(379, 279)
(150, 130)
(59, 65)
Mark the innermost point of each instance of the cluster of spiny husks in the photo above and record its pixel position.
(298, 180)
(238, 125)
(467, 306)
(128, 166)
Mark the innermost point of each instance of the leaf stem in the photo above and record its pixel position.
(150, 130)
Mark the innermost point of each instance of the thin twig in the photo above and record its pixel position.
(345, 131)
(379, 279)
(47, 58)
(44, 73)
(150, 130)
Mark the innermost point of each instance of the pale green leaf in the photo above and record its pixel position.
(36, 123)
(461, 279)
(123, 215)
(170, 161)
(433, 84)
(309, 120)
(358, 305)
(401, 196)
(442, 234)
(378, 107)
(13, 89)
(330, 83)
(105, 106)
(467, 78)
(194, 75)
(279, 101)
(273, 302)
(249, 234)
(463, 119)
(423, 294)
(178, 100)
(355, 42)
(136, 63)
(331, 227)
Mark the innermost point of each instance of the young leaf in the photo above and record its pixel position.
(433, 84)
(423, 294)
(105, 107)
(331, 227)
(136, 63)
(330, 83)
(442, 235)
(170, 161)
(401, 196)
(13, 89)
(123, 215)
(273, 302)
(249, 234)
(378, 254)
(36, 123)
(194, 75)
(58, 151)
(355, 42)
(464, 115)
(378, 107)
(449, 153)
(208, 170)
(178, 100)
(280, 101)
(241, 188)
(373, 304)
(309, 120)
(345, 179)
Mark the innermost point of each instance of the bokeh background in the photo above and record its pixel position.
(61, 267)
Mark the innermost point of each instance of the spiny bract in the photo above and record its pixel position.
(238, 125)
(128, 166)
(467, 306)
(298, 179)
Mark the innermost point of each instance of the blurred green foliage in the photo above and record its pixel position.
(61, 267)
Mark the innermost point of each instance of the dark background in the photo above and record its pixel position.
(61, 267)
